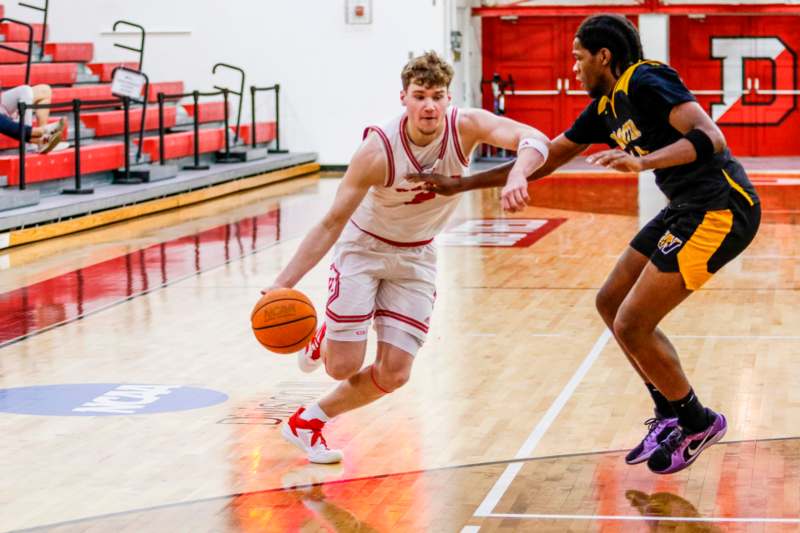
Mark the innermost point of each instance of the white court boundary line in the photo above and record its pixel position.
(645, 518)
(504, 481)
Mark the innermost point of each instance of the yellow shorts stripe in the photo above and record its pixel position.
(738, 188)
(694, 256)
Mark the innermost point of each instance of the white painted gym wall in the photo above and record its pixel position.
(335, 78)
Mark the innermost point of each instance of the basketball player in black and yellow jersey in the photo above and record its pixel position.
(644, 111)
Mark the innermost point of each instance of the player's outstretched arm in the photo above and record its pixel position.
(702, 139)
(532, 146)
(367, 168)
(562, 150)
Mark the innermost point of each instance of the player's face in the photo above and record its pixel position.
(426, 107)
(589, 69)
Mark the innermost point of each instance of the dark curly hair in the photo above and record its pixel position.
(617, 34)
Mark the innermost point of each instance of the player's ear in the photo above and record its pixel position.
(605, 56)
(403, 97)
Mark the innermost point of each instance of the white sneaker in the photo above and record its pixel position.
(57, 148)
(310, 358)
(52, 136)
(307, 435)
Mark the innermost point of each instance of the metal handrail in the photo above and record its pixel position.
(535, 92)
(46, 10)
(75, 106)
(139, 50)
(27, 53)
(240, 94)
(772, 92)
(126, 106)
(572, 92)
(277, 89)
(162, 97)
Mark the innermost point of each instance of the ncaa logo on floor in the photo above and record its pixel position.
(106, 399)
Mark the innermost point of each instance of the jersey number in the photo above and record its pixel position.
(420, 197)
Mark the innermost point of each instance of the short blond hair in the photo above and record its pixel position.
(428, 70)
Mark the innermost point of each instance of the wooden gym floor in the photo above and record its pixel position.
(517, 417)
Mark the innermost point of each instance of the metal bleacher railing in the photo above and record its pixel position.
(239, 93)
(45, 10)
(162, 97)
(76, 105)
(27, 52)
(253, 91)
(139, 50)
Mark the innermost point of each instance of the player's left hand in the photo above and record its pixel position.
(616, 159)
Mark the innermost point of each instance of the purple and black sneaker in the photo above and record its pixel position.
(658, 429)
(680, 449)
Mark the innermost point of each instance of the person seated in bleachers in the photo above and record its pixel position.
(38, 94)
(44, 138)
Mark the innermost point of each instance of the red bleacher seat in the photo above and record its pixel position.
(209, 111)
(56, 165)
(107, 123)
(167, 87)
(9, 57)
(177, 145)
(49, 73)
(103, 91)
(63, 52)
(265, 132)
(2, 11)
(105, 70)
(84, 92)
(15, 32)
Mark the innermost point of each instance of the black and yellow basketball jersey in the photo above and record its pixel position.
(635, 117)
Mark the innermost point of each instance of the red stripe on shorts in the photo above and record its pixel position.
(402, 318)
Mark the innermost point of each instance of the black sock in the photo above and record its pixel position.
(692, 416)
(663, 406)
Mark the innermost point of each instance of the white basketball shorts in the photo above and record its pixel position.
(371, 279)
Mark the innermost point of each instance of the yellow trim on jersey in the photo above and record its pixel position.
(738, 188)
(624, 81)
(694, 256)
(602, 105)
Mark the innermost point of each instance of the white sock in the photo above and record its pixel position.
(314, 411)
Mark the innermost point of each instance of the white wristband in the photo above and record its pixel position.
(536, 144)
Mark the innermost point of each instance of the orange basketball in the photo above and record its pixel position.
(284, 320)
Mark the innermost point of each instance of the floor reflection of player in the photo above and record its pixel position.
(307, 482)
(669, 505)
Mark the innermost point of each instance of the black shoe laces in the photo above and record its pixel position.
(673, 440)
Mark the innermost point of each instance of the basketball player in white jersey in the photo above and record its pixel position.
(384, 265)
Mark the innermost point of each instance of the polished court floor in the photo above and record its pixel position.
(517, 417)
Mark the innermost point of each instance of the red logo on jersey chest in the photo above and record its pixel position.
(420, 197)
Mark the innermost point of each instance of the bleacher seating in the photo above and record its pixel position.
(15, 32)
(63, 52)
(73, 72)
(104, 71)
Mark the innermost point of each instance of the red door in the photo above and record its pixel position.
(537, 53)
(743, 71)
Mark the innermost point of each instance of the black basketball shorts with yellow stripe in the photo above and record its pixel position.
(697, 242)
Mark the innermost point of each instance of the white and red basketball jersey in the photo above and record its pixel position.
(403, 213)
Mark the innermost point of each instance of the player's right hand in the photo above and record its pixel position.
(438, 183)
(514, 196)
